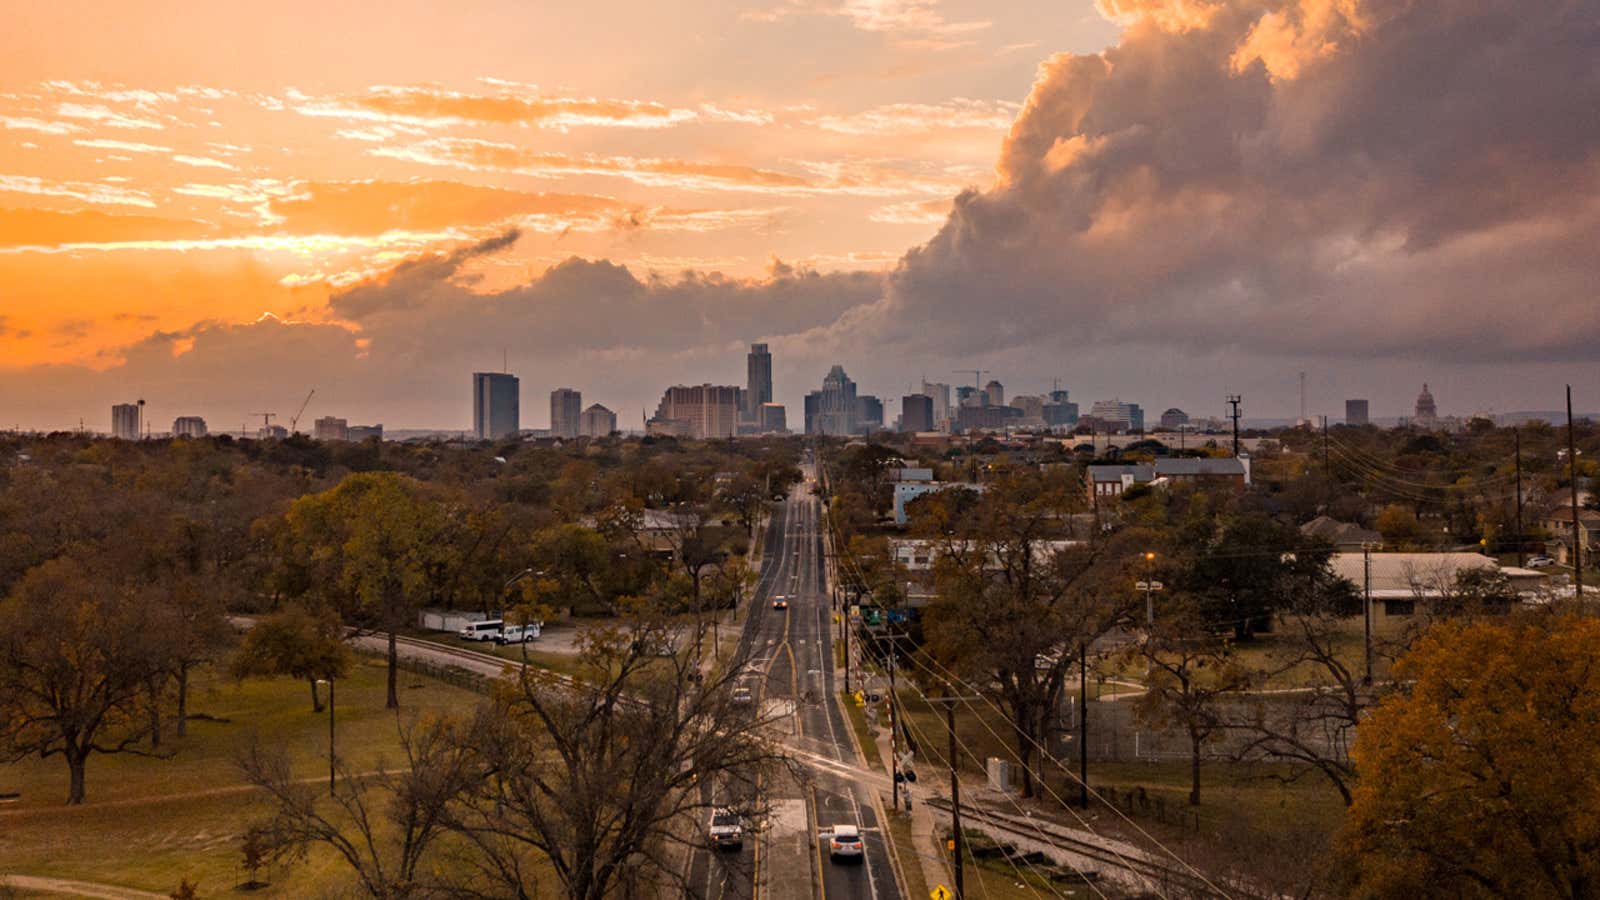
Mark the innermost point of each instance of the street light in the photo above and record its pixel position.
(1149, 587)
(329, 682)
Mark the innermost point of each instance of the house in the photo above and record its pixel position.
(907, 491)
(1396, 581)
(1559, 526)
(1342, 535)
(1232, 473)
(917, 557)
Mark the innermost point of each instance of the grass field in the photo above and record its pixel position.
(150, 822)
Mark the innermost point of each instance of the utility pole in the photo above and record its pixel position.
(1521, 557)
(846, 629)
(1083, 725)
(1577, 539)
(1366, 605)
(955, 785)
(894, 734)
(1233, 401)
(1325, 472)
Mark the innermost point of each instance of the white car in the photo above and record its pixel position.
(844, 842)
(1540, 562)
(725, 830)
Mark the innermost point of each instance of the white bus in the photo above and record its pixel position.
(486, 630)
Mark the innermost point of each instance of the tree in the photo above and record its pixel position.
(1483, 780)
(1192, 672)
(296, 642)
(74, 665)
(1399, 527)
(373, 546)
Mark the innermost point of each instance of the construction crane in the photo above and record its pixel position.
(266, 418)
(977, 376)
(294, 423)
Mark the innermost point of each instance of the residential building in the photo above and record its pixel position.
(125, 424)
(704, 411)
(1342, 535)
(358, 433)
(1355, 412)
(758, 381)
(1174, 419)
(1398, 582)
(1427, 412)
(916, 413)
(566, 408)
(907, 491)
(1559, 525)
(597, 422)
(189, 427)
(832, 410)
(1111, 481)
(773, 418)
(496, 405)
(1118, 415)
(985, 418)
(272, 433)
(329, 428)
(869, 414)
(994, 393)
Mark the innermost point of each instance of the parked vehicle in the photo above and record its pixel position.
(844, 842)
(1540, 562)
(725, 830)
(519, 634)
(486, 630)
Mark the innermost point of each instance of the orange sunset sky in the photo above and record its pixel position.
(223, 205)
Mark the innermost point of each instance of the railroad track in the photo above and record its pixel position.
(1152, 874)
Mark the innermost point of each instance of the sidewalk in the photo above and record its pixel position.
(924, 831)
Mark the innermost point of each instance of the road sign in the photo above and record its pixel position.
(861, 699)
(941, 893)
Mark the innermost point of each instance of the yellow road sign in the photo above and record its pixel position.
(941, 893)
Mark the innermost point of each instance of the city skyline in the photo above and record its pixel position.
(190, 230)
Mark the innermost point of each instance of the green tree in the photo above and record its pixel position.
(1483, 780)
(295, 642)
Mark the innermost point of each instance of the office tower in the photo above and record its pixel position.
(566, 407)
(995, 392)
(1032, 406)
(496, 405)
(940, 393)
(1173, 419)
(773, 418)
(360, 433)
(832, 410)
(1355, 412)
(698, 411)
(1121, 416)
(968, 396)
(272, 433)
(916, 413)
(330, 428)
(1060, 413)
(189, 427)
(597, 421)
(125, 421)
(758, 384)
(869, 414)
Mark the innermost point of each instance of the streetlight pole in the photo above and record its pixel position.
(332, 769)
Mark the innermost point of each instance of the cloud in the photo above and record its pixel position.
(921, 118)
(918, 23)
(128, 146)
(1375, 179)
(204, 162)
(87, 192)
(28, 123)
(44, 227)
(398, 109)
(104, 115)
(849, 177)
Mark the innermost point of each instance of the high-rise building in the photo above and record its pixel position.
(1427, 413)
(940, 394)
(189, 427)
(125, 421)
(1173, 419)
(869, 414)
(995, 393)
(496, 405)
(597, 421)
(968, 396)
(360, 433)
(272, 433)
(702, 411)
(566, 407)
(331, 428)
(832, 410)
(1121, 416)
(758, 384)
(916, 413)
(1032, 407)
(1060, 412)
(773, 418)
(1355, 412)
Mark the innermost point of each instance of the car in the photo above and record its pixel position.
(742, 696)
(780, 602)
(844, 842)
(726, 831)
(1540, 562)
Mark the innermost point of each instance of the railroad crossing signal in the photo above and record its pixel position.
(861, 699)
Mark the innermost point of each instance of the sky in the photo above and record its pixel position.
(1163, 201)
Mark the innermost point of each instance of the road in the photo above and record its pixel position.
(793, 651)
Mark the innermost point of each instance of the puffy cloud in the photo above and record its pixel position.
(1327, 178)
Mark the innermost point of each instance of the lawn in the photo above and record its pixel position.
(149, 822)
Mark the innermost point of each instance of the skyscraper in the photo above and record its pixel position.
(833, 411)
(869, 414)
(496, 405)
(189, 427)
(1355, 412)
(597, 421)
(331, 428)
(916, 413)
(774, 418)
(940, 393)
(758, 389)
(1124, 416)
(125, 421)
(699, 411)
(566, 407)
(995, 392)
